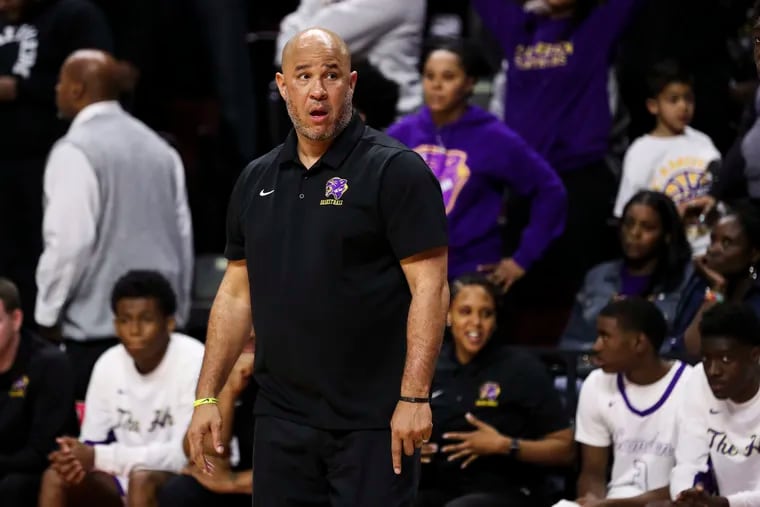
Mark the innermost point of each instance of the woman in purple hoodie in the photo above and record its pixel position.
(476, 158)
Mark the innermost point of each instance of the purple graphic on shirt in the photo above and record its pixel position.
(687, 184)
(450, 167)
(336, 187)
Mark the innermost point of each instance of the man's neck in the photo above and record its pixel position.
(310, 151)
(8, 356)
(649, 371)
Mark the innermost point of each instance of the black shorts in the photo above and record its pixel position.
(296, 465)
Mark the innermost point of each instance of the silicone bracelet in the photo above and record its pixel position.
(411, 399)
(205, 401)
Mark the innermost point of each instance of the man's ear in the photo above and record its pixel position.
(280, 80)
(17, 317)
(352, 78)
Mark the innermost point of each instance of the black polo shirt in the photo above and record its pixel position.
(36, 406)
(330, 300)
(508, 389)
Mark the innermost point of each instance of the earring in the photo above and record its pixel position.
(752, 273)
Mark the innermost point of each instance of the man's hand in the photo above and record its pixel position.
(698, 497)
(73, 460)
(484, 440)
(206, 420)
(411, 426)
(221, 480)
(8, 88)
(503, 274)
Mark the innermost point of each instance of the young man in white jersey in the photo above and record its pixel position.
(627, 409)
(138, 406)
(718, 450)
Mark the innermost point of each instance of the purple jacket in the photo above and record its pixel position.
(557, 97)
(475, 159)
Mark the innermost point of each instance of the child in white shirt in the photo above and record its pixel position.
(138, 406)
(674, 157)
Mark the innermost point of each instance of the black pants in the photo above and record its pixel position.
(300, 466)
(83, 356)
(21, 226)
(550, 285)
(185, 491)
(19, 490)
(436, 498)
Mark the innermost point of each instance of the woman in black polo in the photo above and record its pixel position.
(496, 417)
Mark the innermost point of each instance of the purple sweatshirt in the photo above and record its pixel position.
(475, 159)
(557, 97)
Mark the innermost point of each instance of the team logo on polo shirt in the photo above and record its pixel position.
(489, 395)
(334, 188)
(18, 388)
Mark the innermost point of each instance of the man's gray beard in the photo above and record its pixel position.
(343, 120)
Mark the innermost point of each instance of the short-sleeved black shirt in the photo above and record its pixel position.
(505, 388)
(330, 300)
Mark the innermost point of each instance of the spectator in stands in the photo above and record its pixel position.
(557, 100)
(115, 200)
(727, 272)
(388, 34)
(673, 158)
(37, 36)
(475, 157)
(627, 409)
(231, 483)
(497, 419)
(656, 265)
(138, 405)
(36, 402)
(718, 451)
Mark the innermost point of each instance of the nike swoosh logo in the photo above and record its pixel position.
(264, 194)
(713, 411)
(436, 394)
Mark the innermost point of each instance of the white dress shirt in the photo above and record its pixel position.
(72, 210)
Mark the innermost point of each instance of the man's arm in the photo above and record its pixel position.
(185, 227)
(229, 327)
(69, 229)
(52, 409)
(235, 385)
(426, 275)
(592, 479)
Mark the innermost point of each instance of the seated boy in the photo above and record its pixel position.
(138, 405)
(718, 450)
(627, 409)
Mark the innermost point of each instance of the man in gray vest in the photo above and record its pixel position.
(115, 201)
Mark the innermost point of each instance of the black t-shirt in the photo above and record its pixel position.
(33, 51)
(505, 388)
(36, 406)
(330, 300)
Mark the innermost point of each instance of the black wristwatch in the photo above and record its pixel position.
(514, 448)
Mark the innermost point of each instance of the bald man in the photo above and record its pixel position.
(115, 200)
(337, 241)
